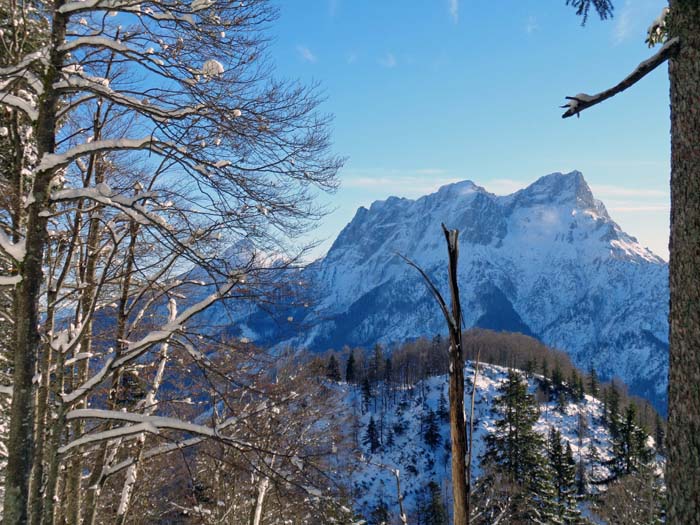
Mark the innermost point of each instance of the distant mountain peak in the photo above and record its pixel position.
(559, 188)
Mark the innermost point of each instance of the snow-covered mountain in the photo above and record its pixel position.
(547, 261)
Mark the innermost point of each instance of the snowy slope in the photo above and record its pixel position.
(546, 261)
(419, 464)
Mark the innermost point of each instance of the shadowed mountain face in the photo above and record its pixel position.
(546, 261)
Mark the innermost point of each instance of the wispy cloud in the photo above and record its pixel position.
(504, 186)
(404, 183)
(333, 7)
(632, 208)
(624, 24)
(531, 26)
(453, 6)
(306, 54)
(388, 60)
(622, 191)
(351, 57)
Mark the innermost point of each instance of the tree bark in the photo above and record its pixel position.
(458, 428)
(27, 340)
(683, 471)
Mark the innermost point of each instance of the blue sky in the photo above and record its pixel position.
(427, 92)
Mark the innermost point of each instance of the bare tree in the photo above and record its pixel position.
(460, 441)
(146, 135)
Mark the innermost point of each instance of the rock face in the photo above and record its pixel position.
(546, 261)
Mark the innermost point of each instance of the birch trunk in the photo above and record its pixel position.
(27, 341)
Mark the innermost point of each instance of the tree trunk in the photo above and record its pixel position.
(458, 428)
(683, 474)
(26, 342)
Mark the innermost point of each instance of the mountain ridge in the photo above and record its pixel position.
(546, 260)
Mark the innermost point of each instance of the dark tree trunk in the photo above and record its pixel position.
(458, 427)
(27, 340)
(683, 474)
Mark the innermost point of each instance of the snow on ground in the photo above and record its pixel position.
(419, 464)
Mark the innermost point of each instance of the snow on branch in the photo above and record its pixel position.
(127, 6)
(156, 422)
(12, 280)
(108, 434)
(13, 71)
(61, 160)
(15, 250)
(6, 390)
(13, 101)
(137, 348)
(583, 101)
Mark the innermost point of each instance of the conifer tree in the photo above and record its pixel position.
(377, 363)
(366, 393)
(557, 377)
(432, 430)
(333, 369)
(435, 512)
(350, 373)
(380, 514)
(593, 383)
(613, 409)
(442, 411)
(388, 371)
(561, 401)
(563, 467)
(630, 452)
(514, 455)
(371, 438)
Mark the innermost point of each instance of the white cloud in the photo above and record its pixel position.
(453, 6)
(388, 60)
(306, 54)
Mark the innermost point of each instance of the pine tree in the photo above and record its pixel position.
(630, 452)
(443, 412)
(333, 369)
(593, 383)
(562, 403)
(388, 371)
(377, 363)
(366, 393)
(431, 433)
(514, 455)
(557, 377)
(660, 435)
(435, 512)
(350, 373)
(371, 438)
(380, 514)
(563, 466)
(613, 409)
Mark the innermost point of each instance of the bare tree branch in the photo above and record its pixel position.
(583, 101)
